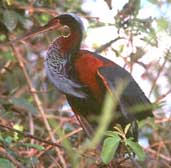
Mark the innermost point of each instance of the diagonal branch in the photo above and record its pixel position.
(30, 136)
(108, 44)
(37, 101)
(33, 9)
(160, 71)
(4, 153)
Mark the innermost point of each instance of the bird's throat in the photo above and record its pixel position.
(70, 44)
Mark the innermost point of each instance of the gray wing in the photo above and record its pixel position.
(133, 103)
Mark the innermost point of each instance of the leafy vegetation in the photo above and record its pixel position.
(37, 127)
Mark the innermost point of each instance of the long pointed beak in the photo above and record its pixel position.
(53, 24)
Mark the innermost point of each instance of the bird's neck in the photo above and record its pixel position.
(71, 44)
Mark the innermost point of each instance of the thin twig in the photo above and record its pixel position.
(35, 9)
(60, 140)
(154, 153)
(6, 154)
(5, 68)
(37, 101)
(28, 135)
(108, 44)
(158, 121)
(31, 125)
(163, 96)
(159, 72)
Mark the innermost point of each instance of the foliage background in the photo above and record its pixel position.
(30, 104)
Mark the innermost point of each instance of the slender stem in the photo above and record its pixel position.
(154, 153)
(108, 44)
(160, 71)
(37, 101)
(30, 136)
(33, 9)
(4, 153)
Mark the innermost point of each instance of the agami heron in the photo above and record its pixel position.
(85, 77)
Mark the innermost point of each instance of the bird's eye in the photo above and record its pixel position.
(66, 31)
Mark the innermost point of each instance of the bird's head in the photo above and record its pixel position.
(69, 19)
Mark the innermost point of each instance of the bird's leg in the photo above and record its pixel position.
(129, 118)
(85, 125)
(134, 130)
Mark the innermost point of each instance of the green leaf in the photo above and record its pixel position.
(30, 161)
(136, 148)
(150, 122)
(121, 49)
(35, 146)
(137, 6)
(8, 55)
(118, 127)
(6, 163)
(19, 128)
(110, 133)
(10, 19)
(2, 37)
(22, 102)
(127, 128)
(9, 2)
(109, 148)
(119, 133)
(153, 1)
(162, 23)
(8, 140)
(44, 18)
